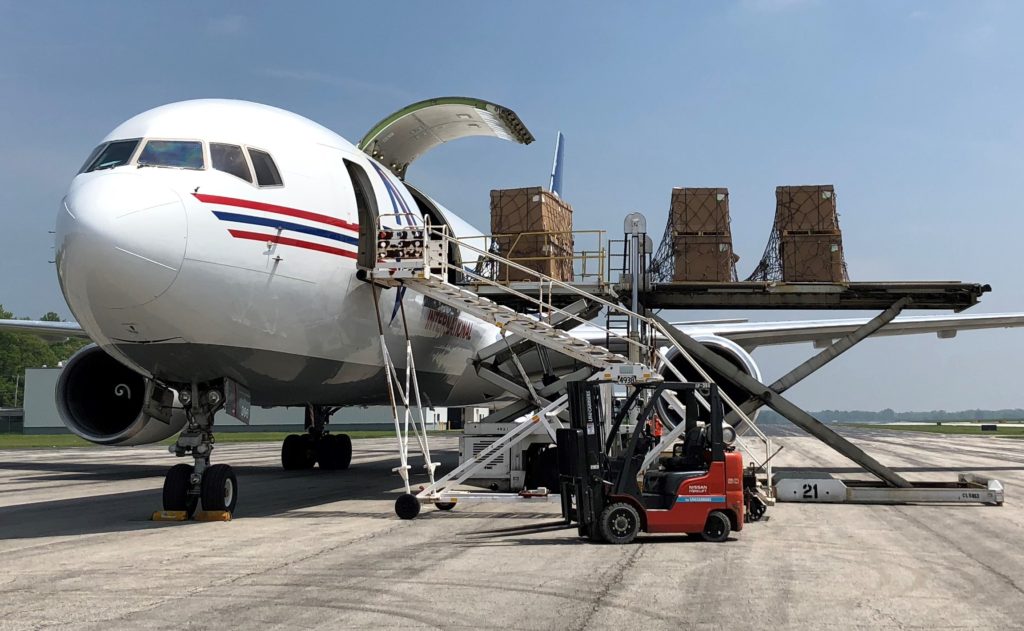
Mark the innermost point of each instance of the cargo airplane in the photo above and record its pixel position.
(213, 247)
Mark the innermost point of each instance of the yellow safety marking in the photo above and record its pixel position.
(452, 500)
(169, 515)
(213, 515)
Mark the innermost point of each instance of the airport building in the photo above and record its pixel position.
(41, 416)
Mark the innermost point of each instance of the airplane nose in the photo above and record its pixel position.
(120, 241)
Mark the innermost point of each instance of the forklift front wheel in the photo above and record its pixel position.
(717, 527)
(444, 505)
(619, 523)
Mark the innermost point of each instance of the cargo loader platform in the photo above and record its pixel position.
(523, 295)
(944, 295)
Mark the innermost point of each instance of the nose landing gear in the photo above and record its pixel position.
(185, 486)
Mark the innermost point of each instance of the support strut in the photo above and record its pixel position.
(783, 406)
(813, 364)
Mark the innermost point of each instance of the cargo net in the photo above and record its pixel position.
(697, 243)
(806, 244)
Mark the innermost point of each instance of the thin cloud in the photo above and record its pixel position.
(226, 25)
(346, 83)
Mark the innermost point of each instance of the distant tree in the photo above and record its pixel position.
(19, 351)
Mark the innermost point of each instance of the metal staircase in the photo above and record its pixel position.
(416, 257)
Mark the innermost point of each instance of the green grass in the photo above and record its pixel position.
(1006, 429)
(44, 441)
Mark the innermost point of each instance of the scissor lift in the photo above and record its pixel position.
(416, 257)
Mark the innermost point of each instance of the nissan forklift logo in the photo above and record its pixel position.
(698, 489)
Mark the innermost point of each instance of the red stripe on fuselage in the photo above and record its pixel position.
(274, 208)
(308, 245)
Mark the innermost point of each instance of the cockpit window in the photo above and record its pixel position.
(110, 155)
(182, 154)
(230, 159)
(266, 171)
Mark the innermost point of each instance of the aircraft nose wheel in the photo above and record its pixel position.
(219, 488)
(177, 484)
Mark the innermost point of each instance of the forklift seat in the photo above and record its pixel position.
(667, 482)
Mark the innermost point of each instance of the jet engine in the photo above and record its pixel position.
(724, 348)
(105, 402)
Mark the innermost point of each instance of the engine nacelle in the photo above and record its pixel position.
(727, 349)
(107, 403)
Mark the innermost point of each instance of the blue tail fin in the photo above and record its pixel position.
(555, 186)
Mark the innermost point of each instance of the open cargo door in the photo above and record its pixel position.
(413, 130)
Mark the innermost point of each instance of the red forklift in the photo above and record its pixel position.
(697, 491)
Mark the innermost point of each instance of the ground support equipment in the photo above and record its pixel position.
(803, 486)
(698, 491)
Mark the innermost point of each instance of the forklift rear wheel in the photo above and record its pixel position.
(444, 505)
(619, 523)
(407, 506)
(717, 527)
(756, 509)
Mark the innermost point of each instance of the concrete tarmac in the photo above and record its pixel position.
(324, 550)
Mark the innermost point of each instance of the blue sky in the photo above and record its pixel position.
(913, 110)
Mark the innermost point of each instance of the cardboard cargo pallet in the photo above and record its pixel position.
(700, 211)
(806, 244)
(697, 245)
(533, 228)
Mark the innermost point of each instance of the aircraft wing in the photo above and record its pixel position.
(42, 328)
(751, 335)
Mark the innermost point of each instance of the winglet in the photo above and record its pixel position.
(555, 185)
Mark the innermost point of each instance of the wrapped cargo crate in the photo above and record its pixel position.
(698, 211)
(707, 258)
(806, 208)
(806, 244)
(533, 228)
(812, 258)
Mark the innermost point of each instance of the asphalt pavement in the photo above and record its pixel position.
(323, 549)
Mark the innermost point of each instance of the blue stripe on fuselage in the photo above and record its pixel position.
(285, 225)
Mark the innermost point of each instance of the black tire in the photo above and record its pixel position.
(344, 443)
(177, 483)
(756, 509)
(446, 506)
(220, 488)
(297, 452)
(334, 451)
(326, 452)
(717, 527)
(407, 506)
(619, 523)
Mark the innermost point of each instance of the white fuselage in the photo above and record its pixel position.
(190, 274)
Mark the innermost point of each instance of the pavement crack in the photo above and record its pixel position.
(621, 568)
